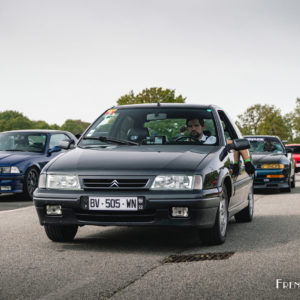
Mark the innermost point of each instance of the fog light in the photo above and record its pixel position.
(5, 188)
(180, 212)
(53, 210)
(275, 176)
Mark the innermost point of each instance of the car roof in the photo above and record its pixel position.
(167, 105)
(292, 144)
(37, 131)
(262, 136)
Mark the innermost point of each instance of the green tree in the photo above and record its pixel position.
(151, 95)
(74, 126)
(155, 95)
(41, 125)
(10, 120)
(296, 121)
(249, 122)
(264, 120)
(274, 124)
(288, 120)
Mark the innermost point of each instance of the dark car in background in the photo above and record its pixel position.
(130, 168)
(23, 154)
(295, 150)
(275, 168)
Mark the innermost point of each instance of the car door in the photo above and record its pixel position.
(242, 181)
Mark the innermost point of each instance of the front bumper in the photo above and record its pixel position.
(11, 184)
(156, 212)
(262, 182)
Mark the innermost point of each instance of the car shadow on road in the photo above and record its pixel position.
(9, 202)
(273, 231)
(277, 191)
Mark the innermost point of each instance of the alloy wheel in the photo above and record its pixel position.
(32, 181)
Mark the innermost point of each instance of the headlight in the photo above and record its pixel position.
(60, 182)
(272, 166)
(42, 181)
(9, 170)
(177, 182)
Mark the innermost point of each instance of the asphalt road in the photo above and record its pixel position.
(127, 263)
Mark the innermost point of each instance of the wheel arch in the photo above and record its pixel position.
(227, 182)
(33, 165)
(225, 179)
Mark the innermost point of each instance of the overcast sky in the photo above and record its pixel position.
(72, 59)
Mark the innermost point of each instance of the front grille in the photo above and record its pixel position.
(259, 183)
(114, 216)
(115, 183)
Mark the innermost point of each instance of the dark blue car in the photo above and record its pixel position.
(23, 154)
(275, 167)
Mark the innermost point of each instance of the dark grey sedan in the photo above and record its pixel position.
(133, 167)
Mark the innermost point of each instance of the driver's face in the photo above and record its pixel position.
(194, 128)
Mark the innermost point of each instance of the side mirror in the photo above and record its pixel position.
(54, 149)
(78, 135)
(67, 144)
(239, 144)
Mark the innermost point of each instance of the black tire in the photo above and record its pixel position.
(246, 214)
(31, 180)
(293, 184)
(61, 233)
(217, 234)
(288, 189)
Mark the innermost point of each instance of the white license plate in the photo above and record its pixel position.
(115, 203)
(297, 165)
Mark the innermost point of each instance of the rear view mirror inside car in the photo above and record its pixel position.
(157, 116)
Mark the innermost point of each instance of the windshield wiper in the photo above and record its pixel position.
(14, 150)
(109, 139)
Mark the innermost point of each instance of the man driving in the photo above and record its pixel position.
(195, 128)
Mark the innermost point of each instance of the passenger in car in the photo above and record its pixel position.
(249, 167)
(182, 130)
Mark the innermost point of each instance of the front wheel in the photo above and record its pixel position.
(289, 188)
(217, 234)
(61, 233)
(31, 180)
(293, 182)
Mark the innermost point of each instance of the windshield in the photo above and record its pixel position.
(265, 144)
(152, 126)
(22, 141)
(295, 149)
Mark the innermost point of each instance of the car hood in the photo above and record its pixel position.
(127, 160)
(8, 158)
(268, 158)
